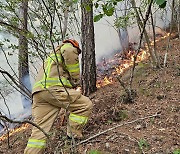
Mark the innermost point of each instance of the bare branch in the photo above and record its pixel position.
(120, 125)
(5, 104)
(4, 118)
(154, 40)
(2, 23)
(58, 68)
(140, 42)
(128, 91)
(15, 82)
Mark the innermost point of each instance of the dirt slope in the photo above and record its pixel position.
(158, 91)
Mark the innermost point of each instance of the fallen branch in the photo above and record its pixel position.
(112, 128)
(4, 118)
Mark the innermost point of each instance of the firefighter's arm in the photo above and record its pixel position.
(71, 61)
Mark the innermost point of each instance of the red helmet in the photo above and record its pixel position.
(73, 42)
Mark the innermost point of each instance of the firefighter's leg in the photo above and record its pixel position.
(44, 115)
(80, 112)
(80, 107)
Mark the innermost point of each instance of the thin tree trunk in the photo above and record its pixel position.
(125, 31)
(139, 21)
(88, 79)
(66, 16)
(124, 37)
(140, 42)
(123, 34)
(122, 40)
(171, 27)
(154, 41)
(178, 17)
(23, 66)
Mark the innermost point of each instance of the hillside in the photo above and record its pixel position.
(158, 91)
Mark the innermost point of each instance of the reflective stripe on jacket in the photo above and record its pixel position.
(63, 64)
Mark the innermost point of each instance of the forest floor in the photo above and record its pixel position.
(158, 91)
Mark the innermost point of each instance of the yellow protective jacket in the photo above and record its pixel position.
(67, 68)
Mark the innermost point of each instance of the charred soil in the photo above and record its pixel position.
(158, 91)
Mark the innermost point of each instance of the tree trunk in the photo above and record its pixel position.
(23, 66)
(177, 16)
(154, 41)
(123, 33)
(124, 37)
(171, 29)
(66, 16)
(88, 79)
(179, 19)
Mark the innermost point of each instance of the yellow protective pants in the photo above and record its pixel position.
(46, 106)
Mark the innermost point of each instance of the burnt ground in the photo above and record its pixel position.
(158, 91)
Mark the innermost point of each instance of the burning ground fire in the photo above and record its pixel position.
(14, 131)
(107, 70)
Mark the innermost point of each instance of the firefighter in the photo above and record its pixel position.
(49, 95)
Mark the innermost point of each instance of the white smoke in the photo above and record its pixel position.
(11, 96)
(106, 42)
(106, 37)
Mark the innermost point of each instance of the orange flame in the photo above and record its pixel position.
(123, 67)
(159, 39)
(143, 55)
(106, 80)
(14, 131)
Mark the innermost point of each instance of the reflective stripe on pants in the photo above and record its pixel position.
(36, 143)
(78, 119)
(46, 106)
